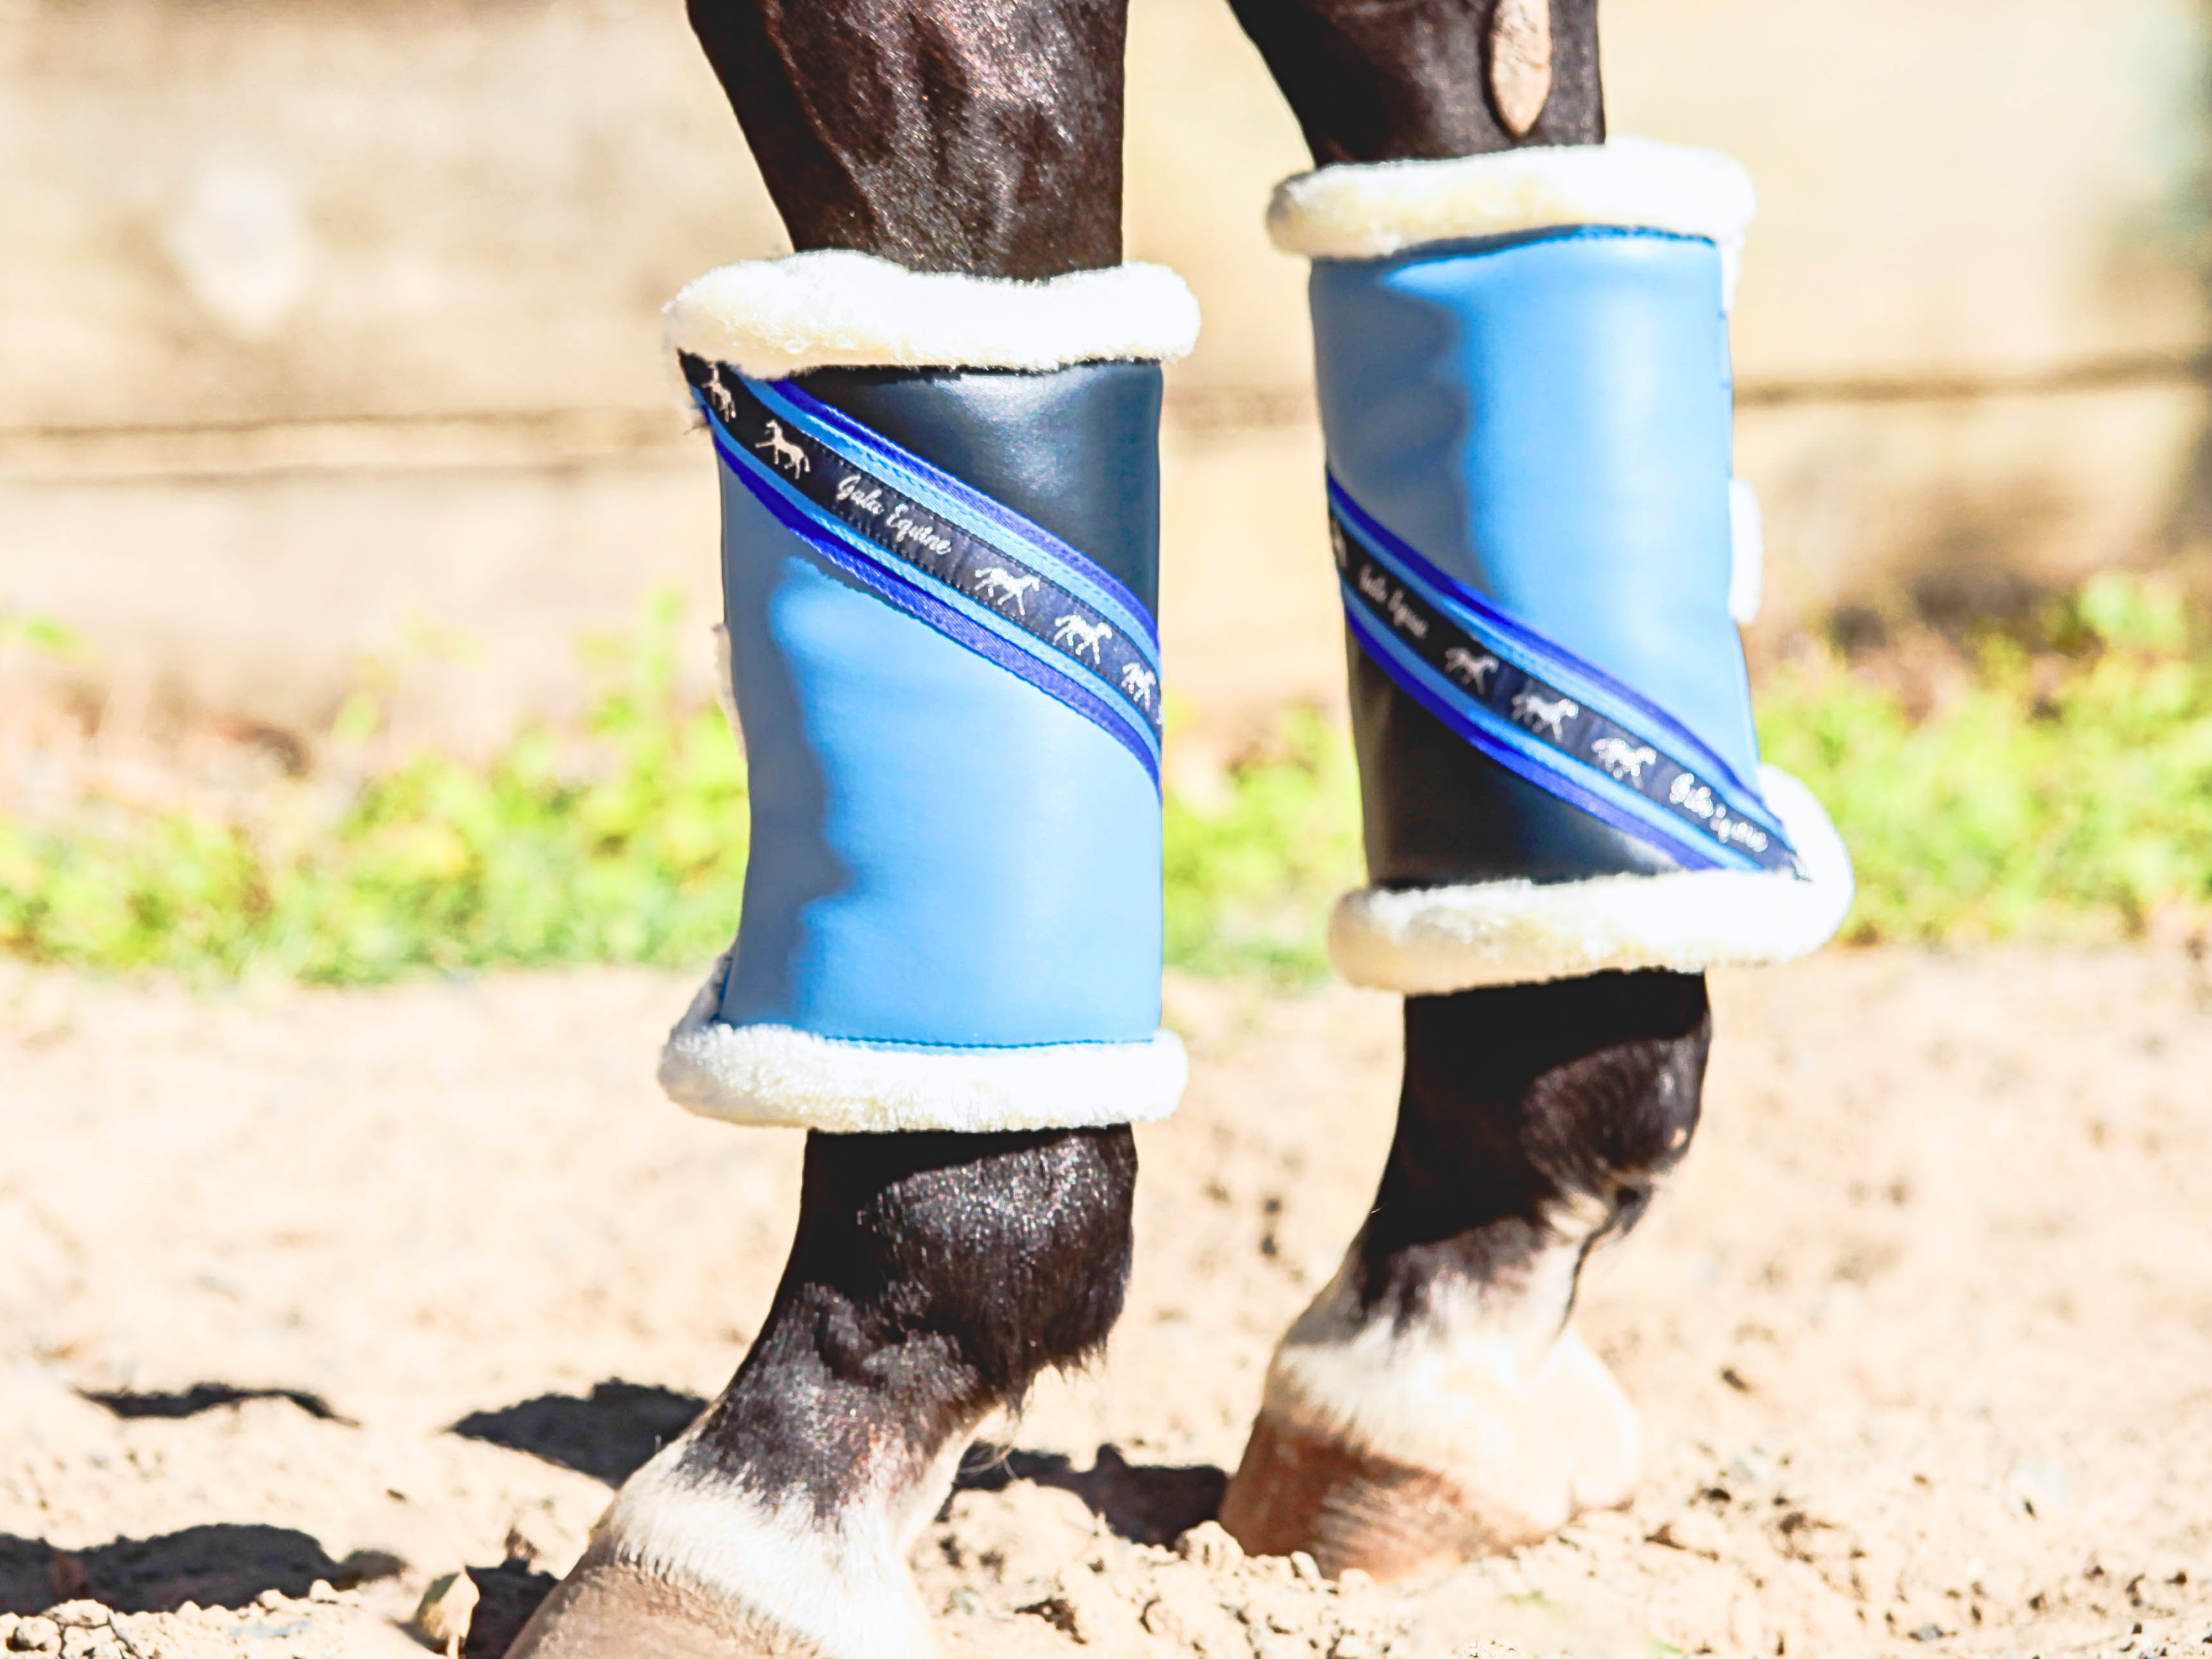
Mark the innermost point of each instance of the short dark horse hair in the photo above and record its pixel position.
(985, 136)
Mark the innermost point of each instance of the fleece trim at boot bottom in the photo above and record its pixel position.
(776, 1076)
(1431, 940)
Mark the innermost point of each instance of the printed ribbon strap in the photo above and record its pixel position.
(1542, 712)
(947, 554)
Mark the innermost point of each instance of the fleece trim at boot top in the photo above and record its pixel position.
(833, 309)
(1369, 210)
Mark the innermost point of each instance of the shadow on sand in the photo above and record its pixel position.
(606, 1434)
(221, 1565)
(206, 1397)
(1144, 1503)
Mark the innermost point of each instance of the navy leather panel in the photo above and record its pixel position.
(1437, 811)
(1076, 450)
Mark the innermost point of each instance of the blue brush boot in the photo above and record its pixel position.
(1525, 389)
(940, 506)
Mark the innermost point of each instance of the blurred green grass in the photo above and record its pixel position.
(2061, 789)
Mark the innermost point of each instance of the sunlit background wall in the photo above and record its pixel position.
(330, 335)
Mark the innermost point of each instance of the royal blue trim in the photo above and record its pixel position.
(928, 609)
(1540, 711)
(1554, 656)
(934, 597)
(1505, 746)
(1041, 548)
(951, 547)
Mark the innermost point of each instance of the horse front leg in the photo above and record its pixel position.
(933, 1278)
(940, 519)
(1521, 343)
(1434, 1402)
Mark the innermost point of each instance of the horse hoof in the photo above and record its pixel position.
(609, 1609)
(1364, 1471)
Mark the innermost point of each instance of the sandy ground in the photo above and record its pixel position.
(307, 1298)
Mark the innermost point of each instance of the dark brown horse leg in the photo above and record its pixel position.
(1434, 1402)
(975, 135)
(933, 1274)
(1426, 80)
(933, 1278)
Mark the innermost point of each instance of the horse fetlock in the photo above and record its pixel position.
(1560, 1105)
(931, 1278)
(609, 1608)
(1398, 1444)
(689, 1560)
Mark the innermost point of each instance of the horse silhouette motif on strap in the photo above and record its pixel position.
(1469, 669)
(1078, 637)
(1140, 682)
(718, 398)
(1538, 715)
(1001, 584)
(782, 452)
(1622, 760)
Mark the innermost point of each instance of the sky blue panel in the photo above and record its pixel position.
(941, 853)
(1547, 418)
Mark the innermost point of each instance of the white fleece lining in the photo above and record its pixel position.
(1746, 552)
(1371, 209)
(1431, 940)
(725, 684)
(774, 1076)
(836, 308)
